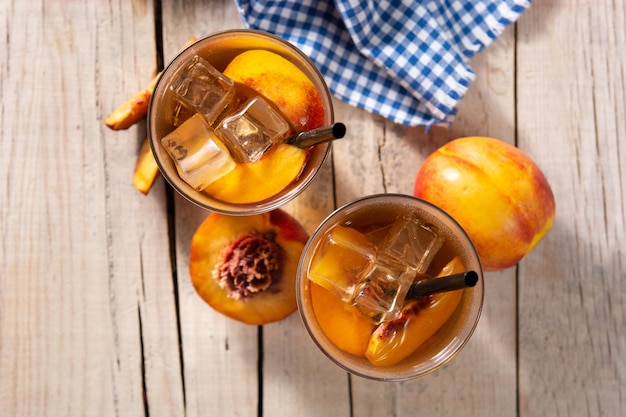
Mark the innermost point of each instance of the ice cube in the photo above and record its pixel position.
(199, 156)
(342, 260)
(378, 234)
(381, 294)
(177, 113)
(203, 89)
(412, 240)
(406, 250)
(252, 130)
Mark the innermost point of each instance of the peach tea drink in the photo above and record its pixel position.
(220, 117)
(355, 294)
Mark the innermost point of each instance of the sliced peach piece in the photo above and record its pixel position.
(397, 339)
(281, 82)
(342, 260)
(146, 169)
(262, 179)
(342, 323)
(245, 266)
(133, 109)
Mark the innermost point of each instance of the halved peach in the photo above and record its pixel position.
(245, 266)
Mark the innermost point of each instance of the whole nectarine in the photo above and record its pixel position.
(495, 191)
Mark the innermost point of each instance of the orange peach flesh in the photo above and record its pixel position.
(215, 233)
(282, 83)
(395, 341)
(342, 323)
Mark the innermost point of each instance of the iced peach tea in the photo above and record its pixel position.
(354, 277)
(219, 115)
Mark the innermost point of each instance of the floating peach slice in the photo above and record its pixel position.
(262, 179)
(285, 85)
(397, 339)
(341, 261)
(336, 268)
(342, 323)
(281, 82)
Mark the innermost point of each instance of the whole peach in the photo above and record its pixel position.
(496, 193)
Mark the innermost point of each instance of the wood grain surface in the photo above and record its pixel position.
(98, 316)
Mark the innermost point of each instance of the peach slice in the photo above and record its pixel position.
(281, 82)
(395, 340)
(245, 266)
(146, 169)
(342, 260)
(285, 85)
(337, 266)
(262, 179)
(342, 323)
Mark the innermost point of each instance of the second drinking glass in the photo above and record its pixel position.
(361, 282)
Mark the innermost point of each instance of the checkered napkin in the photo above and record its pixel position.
(403, 59)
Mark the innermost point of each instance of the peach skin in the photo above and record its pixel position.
(496, 193)
(282, 83)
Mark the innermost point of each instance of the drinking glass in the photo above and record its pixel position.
(373, 213)
(219, 49)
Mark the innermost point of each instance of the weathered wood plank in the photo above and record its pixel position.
(478, 376)
(87, 324)
(297, 378)
(290, 361)
(572, 329)
(220, 355)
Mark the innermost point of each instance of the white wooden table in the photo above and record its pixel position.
(97, 313)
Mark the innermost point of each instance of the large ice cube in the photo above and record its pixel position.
(407, 249)
(202, 88)
(412, 241)
(199, 157)
(252, 130)
(374, 271)
(341, 261)
(380, 294)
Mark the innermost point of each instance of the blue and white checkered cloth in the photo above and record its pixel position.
(406, 60)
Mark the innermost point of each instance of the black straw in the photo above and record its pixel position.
(453, 282)
(316, 136)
